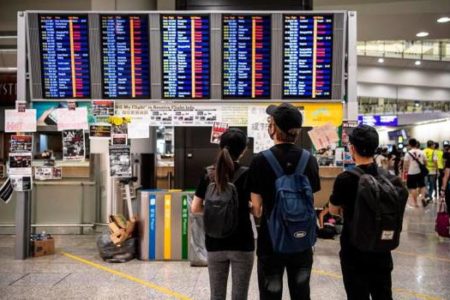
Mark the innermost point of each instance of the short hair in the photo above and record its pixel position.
(365, 140)
(430, 143)
(413, 142)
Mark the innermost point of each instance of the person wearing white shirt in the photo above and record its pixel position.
(415, 180)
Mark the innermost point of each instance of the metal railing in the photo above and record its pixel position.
(437, 50)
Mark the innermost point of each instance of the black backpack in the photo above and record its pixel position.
(379, 208)
(221, 211)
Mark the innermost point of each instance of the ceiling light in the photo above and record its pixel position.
(443, 20)
(381, 60)
(422, 34)
(417, 63)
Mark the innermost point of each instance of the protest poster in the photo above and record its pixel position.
(119, 139)
(217, 130)
(16, 121)
(72, 119)
(21, 183)
(100, 131)
(138, 130)
(120, 160)
(103, 107)
(73, 144)
(21, 143)
(20, 164)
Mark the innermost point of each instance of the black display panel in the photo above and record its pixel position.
(125, 56)
(185, 56)
(307, 56)
(64, 48)
(246, 56)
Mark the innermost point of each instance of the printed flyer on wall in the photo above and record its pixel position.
(120, 160)
(103, 107)
(73, 144)
(21, 143)
(217, 130)
(100, 131)
(20, 164)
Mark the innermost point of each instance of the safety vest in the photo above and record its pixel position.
(431, 165)
(440, 158)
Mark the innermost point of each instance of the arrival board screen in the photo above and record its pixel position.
(64, 44)
(246, 56)
(125, 56)
(186, 58)
(307, 56)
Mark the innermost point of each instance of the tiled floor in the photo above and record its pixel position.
(422, 270)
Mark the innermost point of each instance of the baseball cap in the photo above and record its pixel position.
(365, 139)
(286, 116)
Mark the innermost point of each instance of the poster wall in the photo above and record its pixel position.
(120, 160)
(73, 145)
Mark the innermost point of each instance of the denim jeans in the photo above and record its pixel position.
(431, 184)
(271, 270)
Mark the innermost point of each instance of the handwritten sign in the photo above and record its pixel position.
(72, 119)
(20, 121)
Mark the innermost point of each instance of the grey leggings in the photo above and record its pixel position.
(241, 270)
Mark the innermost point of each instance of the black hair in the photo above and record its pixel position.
(232, 144)
(413, 142)
(365, 140)
(430, 143)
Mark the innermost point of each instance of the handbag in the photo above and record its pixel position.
(442, 227)
(423, 169)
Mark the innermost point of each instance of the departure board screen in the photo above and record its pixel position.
(186, 57)
(125, 56)
(246, 56)
(64, 42)
(307, 56)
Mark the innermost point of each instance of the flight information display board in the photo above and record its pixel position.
(64, 48)
(307, 56)
(185, 56)
(125, 56)
(246, 56)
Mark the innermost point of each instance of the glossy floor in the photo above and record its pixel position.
(422, 271)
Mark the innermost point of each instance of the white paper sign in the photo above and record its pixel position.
(138, 130)
(257, 128)
(72, 119)
(20, 121)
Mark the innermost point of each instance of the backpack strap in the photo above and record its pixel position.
(302, 162)
(238, 173)
(273, 163)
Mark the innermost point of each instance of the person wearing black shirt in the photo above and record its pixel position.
(365, 274)
(284, 127)
(445, 186)
(237, 250)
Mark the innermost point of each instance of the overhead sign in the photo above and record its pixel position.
(378, 120)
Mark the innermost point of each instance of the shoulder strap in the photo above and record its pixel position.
(356, 171)
(239, 172)
(273, 162)
(302, 162)
(414, 157)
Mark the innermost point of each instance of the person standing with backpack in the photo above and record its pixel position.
(415, 164)
(223, 198)
(372, 202)
(282, 182)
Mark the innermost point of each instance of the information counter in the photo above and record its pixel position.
(327, 177)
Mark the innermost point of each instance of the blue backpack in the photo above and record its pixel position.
(292, 223)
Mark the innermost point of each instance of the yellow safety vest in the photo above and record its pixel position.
(440, 158)
(431, 166)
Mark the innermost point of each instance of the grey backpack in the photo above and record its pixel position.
(221, 212)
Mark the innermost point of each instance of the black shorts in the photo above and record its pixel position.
(415, 181)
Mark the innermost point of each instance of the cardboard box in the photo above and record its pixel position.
(43, 247)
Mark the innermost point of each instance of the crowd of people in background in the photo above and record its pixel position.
(424, 187)
(277, 189)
